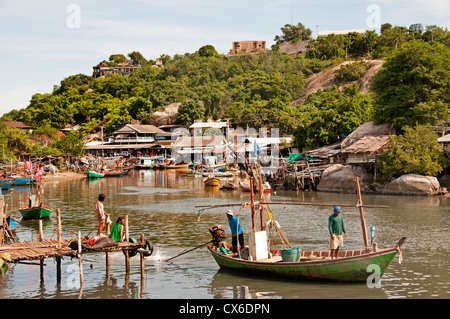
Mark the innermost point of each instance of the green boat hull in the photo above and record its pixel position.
(346, 269)
(95, 175)
(36, 212)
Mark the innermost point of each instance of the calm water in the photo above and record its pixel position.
(161, 205)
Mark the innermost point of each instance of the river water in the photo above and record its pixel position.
(161, 205)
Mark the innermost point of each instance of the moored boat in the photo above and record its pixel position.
(95, 174)
(35, 212)
(5, 183)
(211, 181)
(246, 187)
(218, 174)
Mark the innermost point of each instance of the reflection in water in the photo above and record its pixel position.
(161, 205)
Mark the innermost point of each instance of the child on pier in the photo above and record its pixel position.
(101, 214)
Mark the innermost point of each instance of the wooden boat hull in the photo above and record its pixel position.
(93, 174)
(38, 212)
(115, 174)
(22, 181)
(177, 166)
(212, 181)
(6, 183)
(246, 188)
(345, 269)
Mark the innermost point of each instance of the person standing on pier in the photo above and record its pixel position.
(336, 228)
(101, 214)
(236, 231)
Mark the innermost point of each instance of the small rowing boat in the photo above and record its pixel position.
(211, 181)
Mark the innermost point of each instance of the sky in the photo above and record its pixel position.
(43, 42)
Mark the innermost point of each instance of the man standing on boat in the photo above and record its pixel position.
(236, 231)
(336, 228)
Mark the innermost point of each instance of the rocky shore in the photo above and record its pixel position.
(341, 178)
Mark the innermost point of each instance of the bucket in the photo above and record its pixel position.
(291, 255)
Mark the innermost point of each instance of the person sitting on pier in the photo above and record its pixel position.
(101, 214)
(336, 228)
(117, 231)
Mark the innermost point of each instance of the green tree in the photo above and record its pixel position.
(117, 58)
(417, 151)
(207, 51)
(190, 111)
(293, 33)
(329, 115)
(413, 86)
(137, 58)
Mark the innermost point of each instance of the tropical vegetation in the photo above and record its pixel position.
(267, 89)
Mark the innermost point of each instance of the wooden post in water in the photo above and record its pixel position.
(80, 259)
(361, 214)
(142, 258)
(41, 233)
(127, 255)
(58, 259)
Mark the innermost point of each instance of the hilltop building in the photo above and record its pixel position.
(123, 69)
(241, 47)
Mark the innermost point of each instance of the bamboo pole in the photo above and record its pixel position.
(252, 205)
(361, 213)
(261, 209)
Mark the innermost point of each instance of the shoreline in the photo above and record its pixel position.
(65, 176)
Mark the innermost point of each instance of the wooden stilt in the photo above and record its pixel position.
(41, 269)
(127, 255)
(142, 259)
(41, 233)
(58, 223)
(58, 269)
(80, 259)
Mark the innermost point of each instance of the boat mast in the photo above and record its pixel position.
(252, 205)
(261, 213)
(361, 214)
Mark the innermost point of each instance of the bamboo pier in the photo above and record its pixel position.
(28, 251)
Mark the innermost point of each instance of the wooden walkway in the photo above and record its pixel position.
(21, 252)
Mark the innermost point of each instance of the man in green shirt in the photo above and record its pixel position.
(336, 228)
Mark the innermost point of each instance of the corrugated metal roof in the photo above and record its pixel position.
(368, 144)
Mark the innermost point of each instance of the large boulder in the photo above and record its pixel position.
(342, 178)
(412, 184)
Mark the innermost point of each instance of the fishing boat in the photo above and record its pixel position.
(246, 187)
(5, 183)
(176, 166)
(117, 173)
(218, 174)
(22, 180)
(95, 174)
(211, 181)
(147, 162)
(35, 208)
(294, 263)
